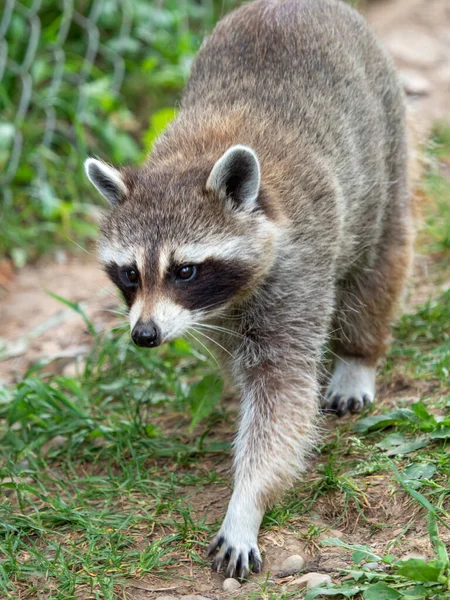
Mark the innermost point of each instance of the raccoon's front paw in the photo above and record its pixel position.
(238, 555)
(352, 386)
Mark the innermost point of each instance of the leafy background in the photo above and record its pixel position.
(82, 78)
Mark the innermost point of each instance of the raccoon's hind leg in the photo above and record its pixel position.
(351, 387)
(366, 303)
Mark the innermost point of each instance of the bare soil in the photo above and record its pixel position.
(35, 327)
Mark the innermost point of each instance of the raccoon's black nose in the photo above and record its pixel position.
(146, 335)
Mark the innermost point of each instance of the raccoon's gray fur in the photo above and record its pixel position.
(272, 216)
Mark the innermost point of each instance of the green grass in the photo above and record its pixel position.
(95, 471)
(435, 235)
(423, 340)
(89, 472)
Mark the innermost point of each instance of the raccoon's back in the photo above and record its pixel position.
(290, 56)
(319, 94)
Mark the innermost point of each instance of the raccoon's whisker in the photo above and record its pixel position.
(210, 306)
(203, 345)
(336, 330)
(121, 313)
(111, 293)
(220, 329)
(236, 317)
(79, 246)
(110, 329)
(212, 340)
(125, 333)
(122, 337)
(110, 310)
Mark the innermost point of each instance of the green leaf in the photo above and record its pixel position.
(402, 415)
(439, 546)
(408, 448)
(440, 433)
(358, 556)
(347, 592)
(392, 441)
(203, 398)
(357, 575)
(7, 132)
(420, 498)
(418, 592)
(418, 569)
(180, 348)
(418, 471)
(19, 257)
(397, 444)
(379, 591)
(426, 420)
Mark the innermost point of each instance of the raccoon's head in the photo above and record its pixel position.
(184, 245)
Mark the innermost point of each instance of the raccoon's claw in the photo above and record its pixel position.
(340, 405)
(239, 559)
(351, 387)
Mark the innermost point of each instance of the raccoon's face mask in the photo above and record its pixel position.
(183, 248)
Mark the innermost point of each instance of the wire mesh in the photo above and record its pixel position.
(81, 77)
(35, 45)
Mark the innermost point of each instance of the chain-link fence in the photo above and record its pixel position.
(80, 77)
(52, 51)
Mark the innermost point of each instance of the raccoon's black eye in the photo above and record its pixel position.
(132, 276)
(186, 273)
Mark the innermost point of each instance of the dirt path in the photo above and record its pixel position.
(36, 327)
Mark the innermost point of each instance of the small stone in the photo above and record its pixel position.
(194, 597)
(414, 83)
(372, 566)
(310, 580)
(166, 598)
(292, 564)
(231, 585)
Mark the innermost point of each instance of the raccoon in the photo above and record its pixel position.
(271, 220)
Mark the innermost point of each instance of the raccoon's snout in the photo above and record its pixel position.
(147, 335)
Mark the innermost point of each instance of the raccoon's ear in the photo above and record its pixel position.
(237, 175)
(106, 179)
